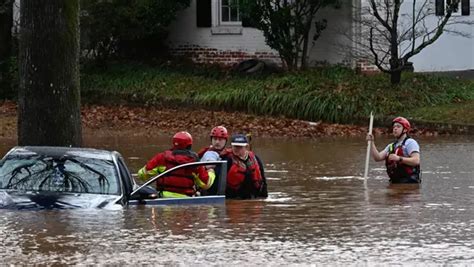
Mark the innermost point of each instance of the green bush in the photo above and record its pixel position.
(9, 78)
(126, 28)
(333, 94)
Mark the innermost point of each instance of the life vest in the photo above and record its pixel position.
(222, 152)
(181, 180)
(244, 179)
(399, 172)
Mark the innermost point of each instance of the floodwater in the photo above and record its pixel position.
(320, 211)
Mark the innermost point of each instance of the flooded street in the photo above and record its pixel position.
(320, 211)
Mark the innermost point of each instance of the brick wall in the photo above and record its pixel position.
(228, 44)
(365, 67)
(207, 55)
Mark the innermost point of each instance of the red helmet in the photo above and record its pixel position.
(219, 131)
(404, 122)
(182, 140)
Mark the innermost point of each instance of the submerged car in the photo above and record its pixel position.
(63, 177)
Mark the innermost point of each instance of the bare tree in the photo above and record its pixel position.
(389, 37)
(49, 98)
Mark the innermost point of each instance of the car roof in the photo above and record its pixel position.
(54, 151)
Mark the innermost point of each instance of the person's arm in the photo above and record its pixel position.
(262, 170)
(413, 150)
(204, 178)
(412, 160)
(152, 168)
(376, 155)
(263, 189)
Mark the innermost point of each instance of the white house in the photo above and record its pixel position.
(211, 31)
(450, 52)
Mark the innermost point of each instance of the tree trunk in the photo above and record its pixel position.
(396, 77)
(49, 96)
(304, 52)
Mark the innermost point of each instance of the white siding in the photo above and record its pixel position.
(185, 32)
(449, 52)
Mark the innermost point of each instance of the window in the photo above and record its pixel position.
(462, 9)
(215, 13)
(457, 9)
(229, 12)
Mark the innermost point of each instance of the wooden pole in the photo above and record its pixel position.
(367, 158)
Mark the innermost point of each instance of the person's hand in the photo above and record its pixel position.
(370, 137)
(393, 157)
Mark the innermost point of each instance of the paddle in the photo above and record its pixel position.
(367, 158)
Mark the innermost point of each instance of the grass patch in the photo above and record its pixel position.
(333, 94)
(459, 113)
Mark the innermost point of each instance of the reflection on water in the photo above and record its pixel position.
(319, 211)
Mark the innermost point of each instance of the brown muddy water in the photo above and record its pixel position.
(320, 211)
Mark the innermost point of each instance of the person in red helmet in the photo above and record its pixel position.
(214, 152)
(402, 157)
(182, 182)
(219, 136)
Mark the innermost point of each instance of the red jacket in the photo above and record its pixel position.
(179, 181)
(244, 178)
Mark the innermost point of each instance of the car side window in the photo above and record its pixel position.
(126, 176)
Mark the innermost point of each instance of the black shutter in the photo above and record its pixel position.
(465, 8)
(203, 13)
(439, 7)
(247, 21)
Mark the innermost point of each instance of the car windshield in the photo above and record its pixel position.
(65, 174)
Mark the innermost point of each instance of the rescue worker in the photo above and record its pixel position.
(402, 157)
(182, 182)
(244, 175)
(219, 136)
(214, 152)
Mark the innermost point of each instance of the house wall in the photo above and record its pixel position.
(335, 44)
(231, 44)
(216, 44)
(449, 52)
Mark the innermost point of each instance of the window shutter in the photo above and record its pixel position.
(465, 8)
(246, 20)
(439, 7)
(203, 13)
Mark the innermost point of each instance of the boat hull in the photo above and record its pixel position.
(207, 200)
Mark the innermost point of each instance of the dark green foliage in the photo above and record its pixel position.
(6, 49)
(9, 78)
(126, 28)
(286, 25)
(333, 94)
